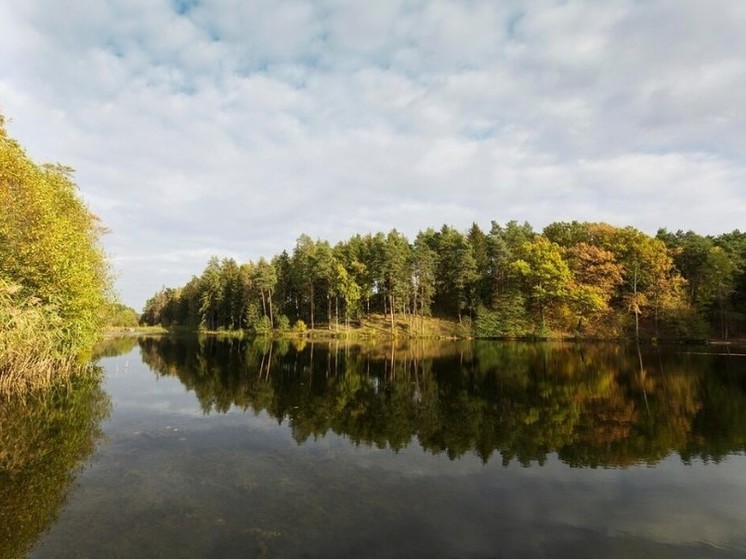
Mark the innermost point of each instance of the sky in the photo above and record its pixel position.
(230, 127)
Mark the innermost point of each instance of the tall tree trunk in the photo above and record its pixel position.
(723, 321)
(414, 303)
(637, 325)
(312, 323)
(636, 306)
(271, 314)
(541, 317)
(391, 304)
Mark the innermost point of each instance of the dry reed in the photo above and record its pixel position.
(31, 335)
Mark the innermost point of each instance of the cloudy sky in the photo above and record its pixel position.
(230, 127)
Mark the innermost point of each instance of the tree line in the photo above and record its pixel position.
(572, 278)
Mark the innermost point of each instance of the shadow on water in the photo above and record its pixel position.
(594, 405)
(44, 439)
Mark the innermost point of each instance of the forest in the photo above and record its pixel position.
(572, 279)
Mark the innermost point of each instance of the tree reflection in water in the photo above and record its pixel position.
(591, 404)
(44, 438)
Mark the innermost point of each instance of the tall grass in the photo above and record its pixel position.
(31, 342)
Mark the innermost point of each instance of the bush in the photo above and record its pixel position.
(300, 327)
(508, 320)
(50, 248)
(122, 316)
(283, 323)
(262, 326)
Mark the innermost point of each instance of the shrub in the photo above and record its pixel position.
(262, 326)
(283, 323)
(50, 250)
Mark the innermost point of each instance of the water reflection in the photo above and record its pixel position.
(43, 440)
(113, 346)
(593, 405)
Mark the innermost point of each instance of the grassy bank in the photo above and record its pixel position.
(31, 352)
(379, 327)
(110, 331)
(373, 327)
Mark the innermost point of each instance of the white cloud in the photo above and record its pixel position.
(232, 127)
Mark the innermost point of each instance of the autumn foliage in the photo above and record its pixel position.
(574, 279)
(54, 277)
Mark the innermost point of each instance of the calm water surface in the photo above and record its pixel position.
(207, 448)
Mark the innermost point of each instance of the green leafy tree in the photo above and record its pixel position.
(480, 249)
(349, 290)
(503, 245)
(396, 271)
(234, 296)
(351, 255)
(265, 280)
(325, 272)
(121, 315)
(304, 271)
(374, 259)
(717, 286)
(456, 273)
(734, 245)
(689, 252)
(546, 274)
(211, 298)
(424, 265)
(50, 245)
(568, 234)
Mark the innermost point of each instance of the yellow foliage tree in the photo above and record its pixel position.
(50, 246)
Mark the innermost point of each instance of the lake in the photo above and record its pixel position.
(201, 447)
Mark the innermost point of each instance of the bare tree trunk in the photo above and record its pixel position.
(637, 325)
(636, 309)
(392, 314)
(723, 321)
(312, 323)
(271, 314)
